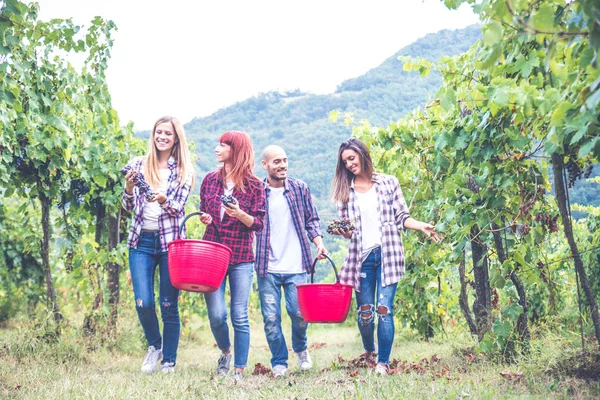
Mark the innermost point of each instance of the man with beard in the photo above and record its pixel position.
(283, 257)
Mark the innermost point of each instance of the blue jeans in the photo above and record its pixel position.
(370, 284)
(142, 263)
(269, 288)
(240, 283)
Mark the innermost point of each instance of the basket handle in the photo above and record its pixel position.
(312, 270)
(191, 215)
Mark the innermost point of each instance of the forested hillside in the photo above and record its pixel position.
(300, 121)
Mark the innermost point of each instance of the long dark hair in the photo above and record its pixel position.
(340, 187)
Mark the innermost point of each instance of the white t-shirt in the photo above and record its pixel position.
(152, 210)
(227, 192)
(369, 220)
(285, 253)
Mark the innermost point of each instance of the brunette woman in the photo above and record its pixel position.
(375, 261)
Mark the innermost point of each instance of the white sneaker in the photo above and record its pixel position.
(223, 364)
(279, 371)
(237, 376)
(168, 368)
(381, 369)
(304, 361)
(150, 363)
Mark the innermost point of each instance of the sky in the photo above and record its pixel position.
(190, 58)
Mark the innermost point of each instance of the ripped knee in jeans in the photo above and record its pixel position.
(382, 312)
(365, 314)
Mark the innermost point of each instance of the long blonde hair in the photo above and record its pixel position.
(180, 152)
(340, 187)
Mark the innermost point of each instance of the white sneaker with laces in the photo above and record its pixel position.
(150, 363)
(168, 368)
(223, 364)
(279, 371)
(381, 369)
(237, 376)
(304, 360)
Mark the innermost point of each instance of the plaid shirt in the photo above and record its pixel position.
(172, 210)
(305, 218)
(231, 231)
(393, 212)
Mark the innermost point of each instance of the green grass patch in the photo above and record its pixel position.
(36, 365)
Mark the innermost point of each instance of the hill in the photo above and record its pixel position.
(299, 121)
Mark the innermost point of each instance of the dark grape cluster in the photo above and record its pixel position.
(495, 298)
(139, 181)
(472, 185)
(548, 221)
(542, 268)
(22, 164)
(79, 189)
(575, 168)
(587, 171)
(340, 225)
(228, 199)
(525, 229)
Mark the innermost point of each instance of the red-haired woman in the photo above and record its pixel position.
(233, 224)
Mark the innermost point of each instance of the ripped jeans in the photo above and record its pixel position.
(269, 288)
(142, 264)
(367, 308)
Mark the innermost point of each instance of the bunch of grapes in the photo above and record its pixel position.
(21, 163)
(543, 275)
(340, 225)
(472, 185)
(525, 229)
(79, 190)
(547, 220)
(228, 199)
(587, 172)
(139, 181)
(573, 166)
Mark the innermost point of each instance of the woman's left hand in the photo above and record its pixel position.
(234, 210)
(429, 230)
(160, 197)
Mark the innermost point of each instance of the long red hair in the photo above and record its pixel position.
(242, 158)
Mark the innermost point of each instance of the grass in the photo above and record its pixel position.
(33, 365)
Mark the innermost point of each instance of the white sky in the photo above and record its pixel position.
(190, 58)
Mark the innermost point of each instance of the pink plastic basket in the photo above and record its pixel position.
(197, 265)
(324, 302)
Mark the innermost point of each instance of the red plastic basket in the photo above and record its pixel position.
(197, 265)
(324, 302)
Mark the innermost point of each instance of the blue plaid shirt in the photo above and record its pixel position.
(306, 222)
(172, 210)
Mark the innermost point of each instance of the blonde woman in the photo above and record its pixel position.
(169, 173)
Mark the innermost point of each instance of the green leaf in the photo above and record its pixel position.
(493, 33)
(543, 18)
(490, 57)
(518, 257)
(502, 329)
(500, 97)
(513, 311)
(560, 113)
(587, 147)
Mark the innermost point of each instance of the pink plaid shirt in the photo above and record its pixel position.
(231, 231)
(393, 212)
(172, 210)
